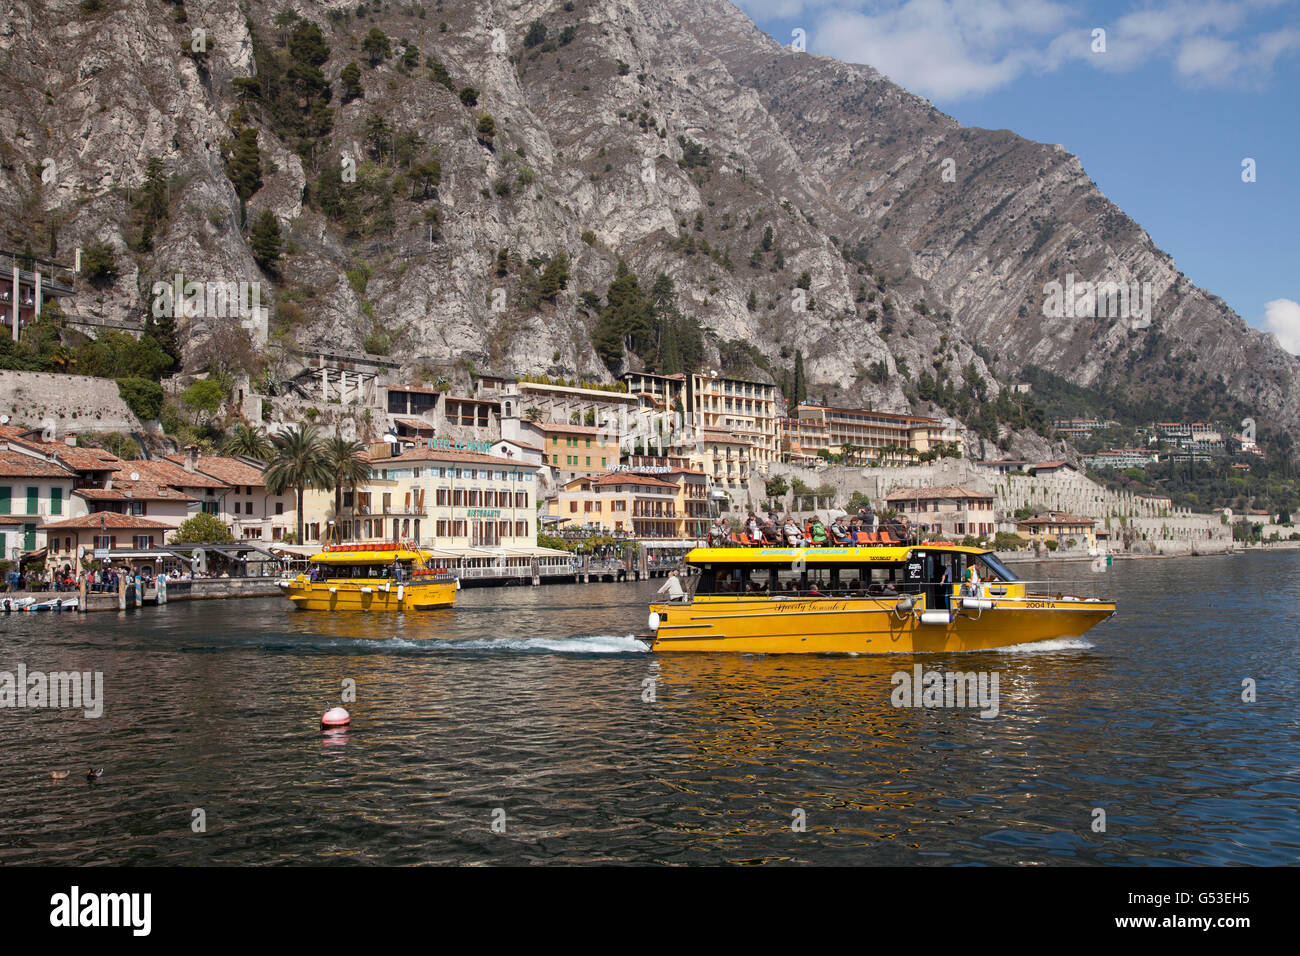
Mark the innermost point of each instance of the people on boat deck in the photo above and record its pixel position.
(818, 532)
(972, 579)
(771, 530)
(753, 528)
(839, 533)
(793, 533)
(718, 533)
(672, 587)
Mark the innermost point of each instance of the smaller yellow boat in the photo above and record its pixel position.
(361, 577)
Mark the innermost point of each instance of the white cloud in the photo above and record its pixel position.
(959, 48)
(1210, 60)
(1282, 318)
(947, 48)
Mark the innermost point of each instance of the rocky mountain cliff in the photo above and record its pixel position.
(456, 184)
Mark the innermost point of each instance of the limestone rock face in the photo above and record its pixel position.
(596, 153)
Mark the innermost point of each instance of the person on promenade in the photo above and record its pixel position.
(673, 587)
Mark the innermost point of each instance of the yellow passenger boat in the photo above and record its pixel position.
(862, 600)
(359, 577)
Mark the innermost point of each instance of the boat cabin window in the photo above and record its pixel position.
(991, 569)
(831, 580)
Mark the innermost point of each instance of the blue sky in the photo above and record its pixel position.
(1162, 118)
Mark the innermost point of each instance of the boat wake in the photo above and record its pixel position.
(576, 644)
(1055, 644)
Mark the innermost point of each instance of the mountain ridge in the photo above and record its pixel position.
(844, 166)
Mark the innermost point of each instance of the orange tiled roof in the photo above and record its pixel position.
(161, 471)
(134, 491)
(15, 464)
(228, 470)
(104, 519)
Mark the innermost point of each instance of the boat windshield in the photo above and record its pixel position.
(997, 569)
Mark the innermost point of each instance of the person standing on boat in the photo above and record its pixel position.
(972, 580)
(673, 587)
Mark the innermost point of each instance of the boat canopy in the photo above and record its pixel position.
(822, 556)
(368, 556)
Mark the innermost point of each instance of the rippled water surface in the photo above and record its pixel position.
(532, 702)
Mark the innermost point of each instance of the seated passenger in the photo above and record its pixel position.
(818, 532)
(839, 533)
(793, 534)
(771, 532)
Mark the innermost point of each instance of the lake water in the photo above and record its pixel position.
(525, 710)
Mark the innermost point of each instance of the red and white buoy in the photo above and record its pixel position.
(336, 717)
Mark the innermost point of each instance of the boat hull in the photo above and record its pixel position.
(358, 596)
(779, 625)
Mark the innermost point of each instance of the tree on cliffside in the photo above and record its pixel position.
(625, 319)
(265, 241)
(244, 165)
(376, 47)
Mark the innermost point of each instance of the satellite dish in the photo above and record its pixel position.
(135, 476)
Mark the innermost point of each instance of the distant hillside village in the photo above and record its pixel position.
(526, 467)
(351, 446)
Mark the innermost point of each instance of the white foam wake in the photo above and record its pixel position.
(1055, 644)
(577, 644)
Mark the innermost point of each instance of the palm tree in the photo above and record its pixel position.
(347, 465)
(249, 442)
(299, 463)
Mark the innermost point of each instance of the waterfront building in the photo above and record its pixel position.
(1080, 427)
(244, 505)
(725, 458)
(104, 531)
(572, 450)
(33, 492)
(1060, 527)
(1120, 458)
(662, 393)
(621, 503)
(865, 435)
(738, 407)
(947, 509)
(440, 497)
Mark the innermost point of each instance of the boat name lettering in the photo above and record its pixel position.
(800, 606)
